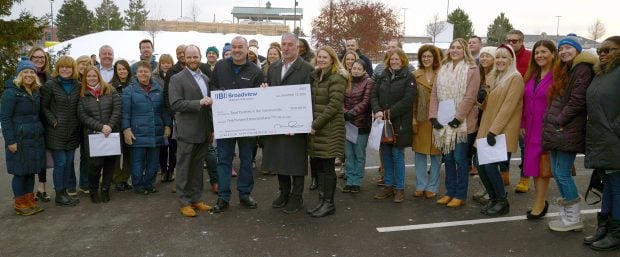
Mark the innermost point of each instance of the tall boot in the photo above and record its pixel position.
(295, 201)
(63, 199)
(22, 207)
(611, 241)
(601, 229)
(285, 191)
(321, 185)
(329, 187)
(500, 207)
(570, 218)
(105, 195)
(94, 195)
(32, 203)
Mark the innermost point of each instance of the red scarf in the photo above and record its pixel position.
(96, 91)
(146, 88)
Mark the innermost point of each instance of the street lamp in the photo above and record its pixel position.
(52, 18)
(295, 19)
(557, 30)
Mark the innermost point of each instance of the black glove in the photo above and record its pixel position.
(348, 116)
(491, 139)
(436, 124)
(482, 94)
(454, 123)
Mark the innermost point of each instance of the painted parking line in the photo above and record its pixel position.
(467, 222)
(411, 165)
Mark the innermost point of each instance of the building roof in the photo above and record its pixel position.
(267, 13)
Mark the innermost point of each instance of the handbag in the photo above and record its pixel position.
(596, 186)
(545, 167)
(388, 137)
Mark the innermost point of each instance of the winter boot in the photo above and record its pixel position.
(611, 241)
(321, 184)
(523, 186)
(63, 199)
(285, 191)
(293, 204)
(94, 195)
(328, 186)
(22, 207)
(500, 207)
(105, 195)
(570, 219)
(601, 229)
(32, 203)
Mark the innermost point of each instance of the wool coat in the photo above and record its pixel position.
(62, 126)
(534, 108)
(423, 129)
(328, 117)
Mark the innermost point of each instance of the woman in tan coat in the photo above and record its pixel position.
(430, 61)
(502, 115)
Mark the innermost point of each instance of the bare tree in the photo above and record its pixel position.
(194, 11)
(152, 27)
(597, 30)
(435, 27)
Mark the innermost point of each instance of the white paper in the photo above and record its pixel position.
(446, 111)
(490, 154)
(262, 111)
(376, 131)
(352, 132)
(100, 145)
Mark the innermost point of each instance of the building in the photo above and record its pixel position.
(268, 29)
(267, 14)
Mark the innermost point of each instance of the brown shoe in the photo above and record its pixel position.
(214, 188)
(202, 206)
(455, 203)
(429, 194)
(385, 193)
(188, 211)
(399, 196)
(418, 193)
(444, 199)
(505, 177)
(473, 171)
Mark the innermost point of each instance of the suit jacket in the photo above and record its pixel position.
(194, 121)
(298, 73)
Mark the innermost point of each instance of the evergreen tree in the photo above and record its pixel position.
(135, 16)
(73, 20)
(108, 17)
(463, 27)
(497, 31)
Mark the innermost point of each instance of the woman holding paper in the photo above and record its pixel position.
(502, 116)
(99, 110)
(430, 62)
(392, 98)
(564, 126)
(456, 88)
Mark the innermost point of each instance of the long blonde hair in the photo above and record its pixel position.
(502, 76)
(105, 87)
(19, 81)
(469, 59)
(337, 66)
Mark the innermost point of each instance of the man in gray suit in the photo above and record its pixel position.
(286, 155)
(189, 99)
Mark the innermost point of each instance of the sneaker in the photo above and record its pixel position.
(346, 189)
(84, 190)
(151, 189)
(355, 189)
(72, 192)
(141, 191)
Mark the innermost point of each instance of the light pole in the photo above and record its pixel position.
(404, 20)
(52, 17)
(557, 30)
(295, 18)
(448, 10)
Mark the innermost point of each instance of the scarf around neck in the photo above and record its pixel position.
(451, 85)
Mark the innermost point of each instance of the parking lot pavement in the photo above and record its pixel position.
(138, 225)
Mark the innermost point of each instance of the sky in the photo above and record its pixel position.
(530, 16)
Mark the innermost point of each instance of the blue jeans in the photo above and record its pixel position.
(423, 182)
(457, 171)
(393, 166)
(22, 185)
(245, 179)
(561, 166)
(355, 160)
(611, 195)
(63, 169)
(144, 165)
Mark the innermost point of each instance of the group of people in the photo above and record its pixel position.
(554, 102)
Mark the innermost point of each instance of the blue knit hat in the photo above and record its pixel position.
(571, 40)
(25, 63)
(226, 48)
(214, 50)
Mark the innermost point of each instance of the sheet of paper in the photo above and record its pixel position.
(352, 132)
(446, 111)
(491, 154)
(99, 145)
(376, 131)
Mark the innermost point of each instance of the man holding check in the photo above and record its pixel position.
(235, 73)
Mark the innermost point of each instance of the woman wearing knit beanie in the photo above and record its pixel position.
(23, 135)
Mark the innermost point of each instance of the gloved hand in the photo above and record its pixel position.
(491, 139)
(167, 132)
(436, 124)
(348, 116)
(482, 94)
(128, 136)
(454, 123)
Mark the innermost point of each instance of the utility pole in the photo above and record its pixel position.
(557, 29)
(295, 18)
(181, 8)
(448, 10)
(404, 20)
(52, 17)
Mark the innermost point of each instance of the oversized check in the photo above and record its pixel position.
(262, 111)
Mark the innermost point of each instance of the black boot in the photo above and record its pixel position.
(295, 202)
(611, 241)
(285, 190)
(601, 229)
(328, 188)
(105, 195)
(488, 206)
(500, 207)
(314, 183)
(94, 195)
(63, 199)
(321, 201)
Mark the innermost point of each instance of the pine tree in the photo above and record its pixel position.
(463, 27)
(73, 20)
(498, 30)
(135, 16)
(108, 17)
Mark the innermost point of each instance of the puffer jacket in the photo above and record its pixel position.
(396, 93)
(145, 114)
(357, 102)
(603, 127)
(21, 125)
(328, 117)
(564, 126)
(94, 112)
(60, 108)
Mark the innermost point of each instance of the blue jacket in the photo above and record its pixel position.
(153, 63)
(145, 114)
(21, 125)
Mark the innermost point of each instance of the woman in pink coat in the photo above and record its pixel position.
(538, 81)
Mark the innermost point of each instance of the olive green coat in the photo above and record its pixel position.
(328, 116)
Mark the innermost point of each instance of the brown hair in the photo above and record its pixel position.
(65, 61)
(560, 79)
(106, 88)
(401, 54)
(46, 66)
(466, 53)
(435, 51)
(145, 41)
(533, 68)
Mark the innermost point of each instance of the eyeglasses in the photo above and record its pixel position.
(605, 50)
(512, 41)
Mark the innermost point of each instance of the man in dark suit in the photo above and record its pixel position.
(286, 155)
(189, 99)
